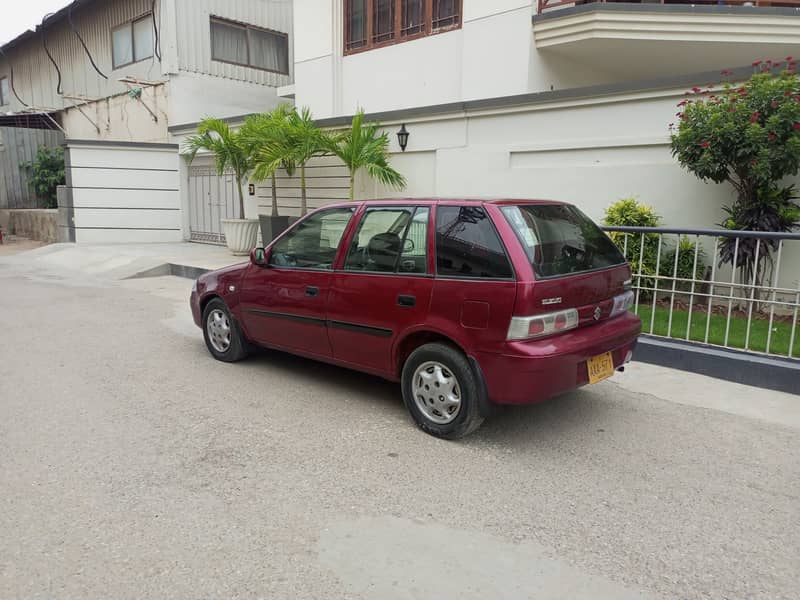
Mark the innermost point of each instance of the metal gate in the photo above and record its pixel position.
(212, 198)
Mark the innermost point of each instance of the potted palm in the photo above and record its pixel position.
(363, 147)
(300, 141)
(231, 153)
(266, 134)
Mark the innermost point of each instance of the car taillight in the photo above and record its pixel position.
(622, 303)
(525, 328)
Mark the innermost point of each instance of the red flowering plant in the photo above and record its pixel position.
(749, 136)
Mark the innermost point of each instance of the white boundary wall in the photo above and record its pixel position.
(123, 192)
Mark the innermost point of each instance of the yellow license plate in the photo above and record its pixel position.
(600, 367)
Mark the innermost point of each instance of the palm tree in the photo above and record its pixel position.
(266, 135)
(363, 147)
(229, 149)
(301, 141)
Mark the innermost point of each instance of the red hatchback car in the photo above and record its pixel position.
(468, 303)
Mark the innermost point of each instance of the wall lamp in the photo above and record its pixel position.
(402, 137)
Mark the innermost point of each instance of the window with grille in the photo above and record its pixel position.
(375, 23)
(249, 46)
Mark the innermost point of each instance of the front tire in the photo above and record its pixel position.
(441, 392)
(221, 332)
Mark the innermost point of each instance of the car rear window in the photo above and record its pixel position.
(560, 240)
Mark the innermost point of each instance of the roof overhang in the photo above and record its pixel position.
(641, 40)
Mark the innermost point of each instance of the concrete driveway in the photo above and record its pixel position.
(132, 465)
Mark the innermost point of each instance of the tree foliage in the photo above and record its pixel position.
(363, 146)
(45, 174)
(229, 148)
(749, 136)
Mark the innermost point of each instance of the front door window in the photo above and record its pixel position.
(313, 243)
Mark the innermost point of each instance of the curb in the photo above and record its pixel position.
(769, 372)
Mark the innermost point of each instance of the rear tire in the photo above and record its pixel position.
(221, 332)
(441, 392)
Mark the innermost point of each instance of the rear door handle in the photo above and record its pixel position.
(403, 300)
(312, 291)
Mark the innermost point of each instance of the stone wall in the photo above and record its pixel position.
(38, 224)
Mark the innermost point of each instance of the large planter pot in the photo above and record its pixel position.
(241, 235)
(272, 226)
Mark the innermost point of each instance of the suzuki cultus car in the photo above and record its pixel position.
(469, 304)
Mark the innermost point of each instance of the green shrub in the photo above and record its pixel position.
(628, 212)
(685, 250)
(46, 173)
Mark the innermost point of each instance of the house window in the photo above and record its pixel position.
(249, 46)
(5, 98)
(132, 41)
(375, 23)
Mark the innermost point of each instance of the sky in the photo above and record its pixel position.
(26, 14)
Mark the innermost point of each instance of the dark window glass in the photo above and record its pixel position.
(379, 241)
(445, 13)
(414, 258)
(249, 46)
(412, 17)
(269, 50)
(560, 239)
(467, 244)
(5, 98)
(143, 38)
(229, 42)
(313, 243)
(356, 25)
(382, 20)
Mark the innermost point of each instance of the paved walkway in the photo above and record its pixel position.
(123, 261)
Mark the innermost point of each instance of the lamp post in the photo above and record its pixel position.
(402, 137)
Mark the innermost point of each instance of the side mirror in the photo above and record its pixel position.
(258, 256)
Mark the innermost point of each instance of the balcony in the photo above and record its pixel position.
(664, 38)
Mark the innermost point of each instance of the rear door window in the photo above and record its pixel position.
(560, 240)
(467, 244)
(390, 240)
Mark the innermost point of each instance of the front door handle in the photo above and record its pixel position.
(403, 300)
(312, 291)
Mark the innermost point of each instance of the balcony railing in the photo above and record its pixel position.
(545, 5)
(684, 291)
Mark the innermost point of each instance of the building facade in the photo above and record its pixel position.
(112, 76)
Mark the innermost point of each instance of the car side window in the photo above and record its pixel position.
(467, 244)
(313, 243)
(388, 240)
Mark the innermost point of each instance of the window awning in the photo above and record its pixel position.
(32, 120)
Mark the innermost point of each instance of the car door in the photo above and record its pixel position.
(284, 304)
(384, 287)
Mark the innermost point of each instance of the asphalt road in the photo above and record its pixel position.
(132, 465)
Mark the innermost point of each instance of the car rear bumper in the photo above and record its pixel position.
(531, 372)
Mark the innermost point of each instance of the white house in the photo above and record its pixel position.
(566, 100)
(114, 75)
(561, 99)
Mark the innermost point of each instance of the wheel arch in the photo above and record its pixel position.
(414, 339)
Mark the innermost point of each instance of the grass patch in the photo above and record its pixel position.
(759, 328)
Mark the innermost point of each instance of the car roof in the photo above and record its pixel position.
(446, 200)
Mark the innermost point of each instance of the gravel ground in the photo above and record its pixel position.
(133, 465)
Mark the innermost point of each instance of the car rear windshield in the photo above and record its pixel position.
(560, 240)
